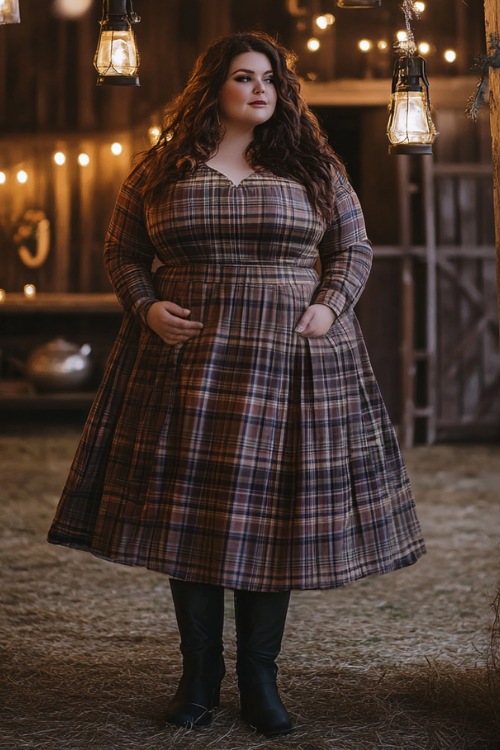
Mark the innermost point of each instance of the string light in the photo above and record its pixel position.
(313, 44)
(59, 158)
(450, 55)
(324, 21)
(424, 48)
(365, 45)
(83, 160)
(116, 148)
(22, 176)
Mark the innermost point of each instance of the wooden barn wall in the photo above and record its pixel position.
(77, 201)
(468, 386)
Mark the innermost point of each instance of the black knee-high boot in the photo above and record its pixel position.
(260, 622)
(199, 609)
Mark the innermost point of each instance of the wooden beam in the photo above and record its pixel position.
(492, 23)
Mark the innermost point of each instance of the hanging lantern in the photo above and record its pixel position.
(116, 58)
(359, 3)
(410, 128)
(9, 11)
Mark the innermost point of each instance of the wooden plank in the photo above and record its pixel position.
(492, 28)
(408, 307)
(67, 303)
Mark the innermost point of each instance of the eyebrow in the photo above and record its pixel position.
(246, 70)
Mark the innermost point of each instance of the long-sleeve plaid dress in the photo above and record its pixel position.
(250, 456)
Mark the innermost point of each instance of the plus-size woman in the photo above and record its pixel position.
(239, 439)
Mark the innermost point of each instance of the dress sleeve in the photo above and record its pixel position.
(345, 252)
(128, 250)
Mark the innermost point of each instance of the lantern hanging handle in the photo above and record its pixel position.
(132, 15)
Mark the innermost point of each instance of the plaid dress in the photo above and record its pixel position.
(250, 456)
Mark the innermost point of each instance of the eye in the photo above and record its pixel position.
(242, 79)
(270, 79)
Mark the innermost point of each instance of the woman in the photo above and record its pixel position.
(239, 439)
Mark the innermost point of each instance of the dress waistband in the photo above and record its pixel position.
(258, 273)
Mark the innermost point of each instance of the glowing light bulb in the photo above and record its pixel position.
(59, 158)
(365, 45)
(450, 55)
(324, 21)
(9, 12)
(313, 44)
(30, 291)
(71, 8)
(410, 128)
(382, 45)
(83, 160)
(22, 176)
(424, 48)
(116, 148)
(419, 7)
(154, 133)
(3, 178)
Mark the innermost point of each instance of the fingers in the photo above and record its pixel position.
(315, 321)
(169, 321)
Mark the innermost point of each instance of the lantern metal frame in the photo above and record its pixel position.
(117, 16)
(410, 107)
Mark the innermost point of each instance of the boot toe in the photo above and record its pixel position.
(189, 715)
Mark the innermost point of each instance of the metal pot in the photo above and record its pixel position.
(59, 366)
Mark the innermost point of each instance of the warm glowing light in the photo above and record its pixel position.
(3, 178)
(83, 160)
(117, 54)
(2, 296)
(116, 148)
(450, 55)
(313, 44)
(59, 158)
(154, 133)
(424, 48)
(29, 291)
(9, 12)
(22, 176)
(365, 45)
(324, 21)
(402, 36)
(419, 7)
(410, 128)
(71, 8)
(382, 45)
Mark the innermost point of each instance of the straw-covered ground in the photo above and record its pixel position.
(89, 650)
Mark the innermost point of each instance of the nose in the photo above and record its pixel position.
(259, 86)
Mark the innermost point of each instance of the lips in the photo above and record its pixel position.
(259, 103)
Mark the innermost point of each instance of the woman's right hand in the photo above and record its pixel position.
(169, 322)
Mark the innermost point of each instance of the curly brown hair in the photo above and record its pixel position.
(290, 144)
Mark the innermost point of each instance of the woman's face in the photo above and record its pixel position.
(248, 96)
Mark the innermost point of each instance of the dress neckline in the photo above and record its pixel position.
(224, 176)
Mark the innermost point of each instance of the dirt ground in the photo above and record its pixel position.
(90, 649)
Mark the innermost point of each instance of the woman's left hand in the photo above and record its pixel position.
(316, 321)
